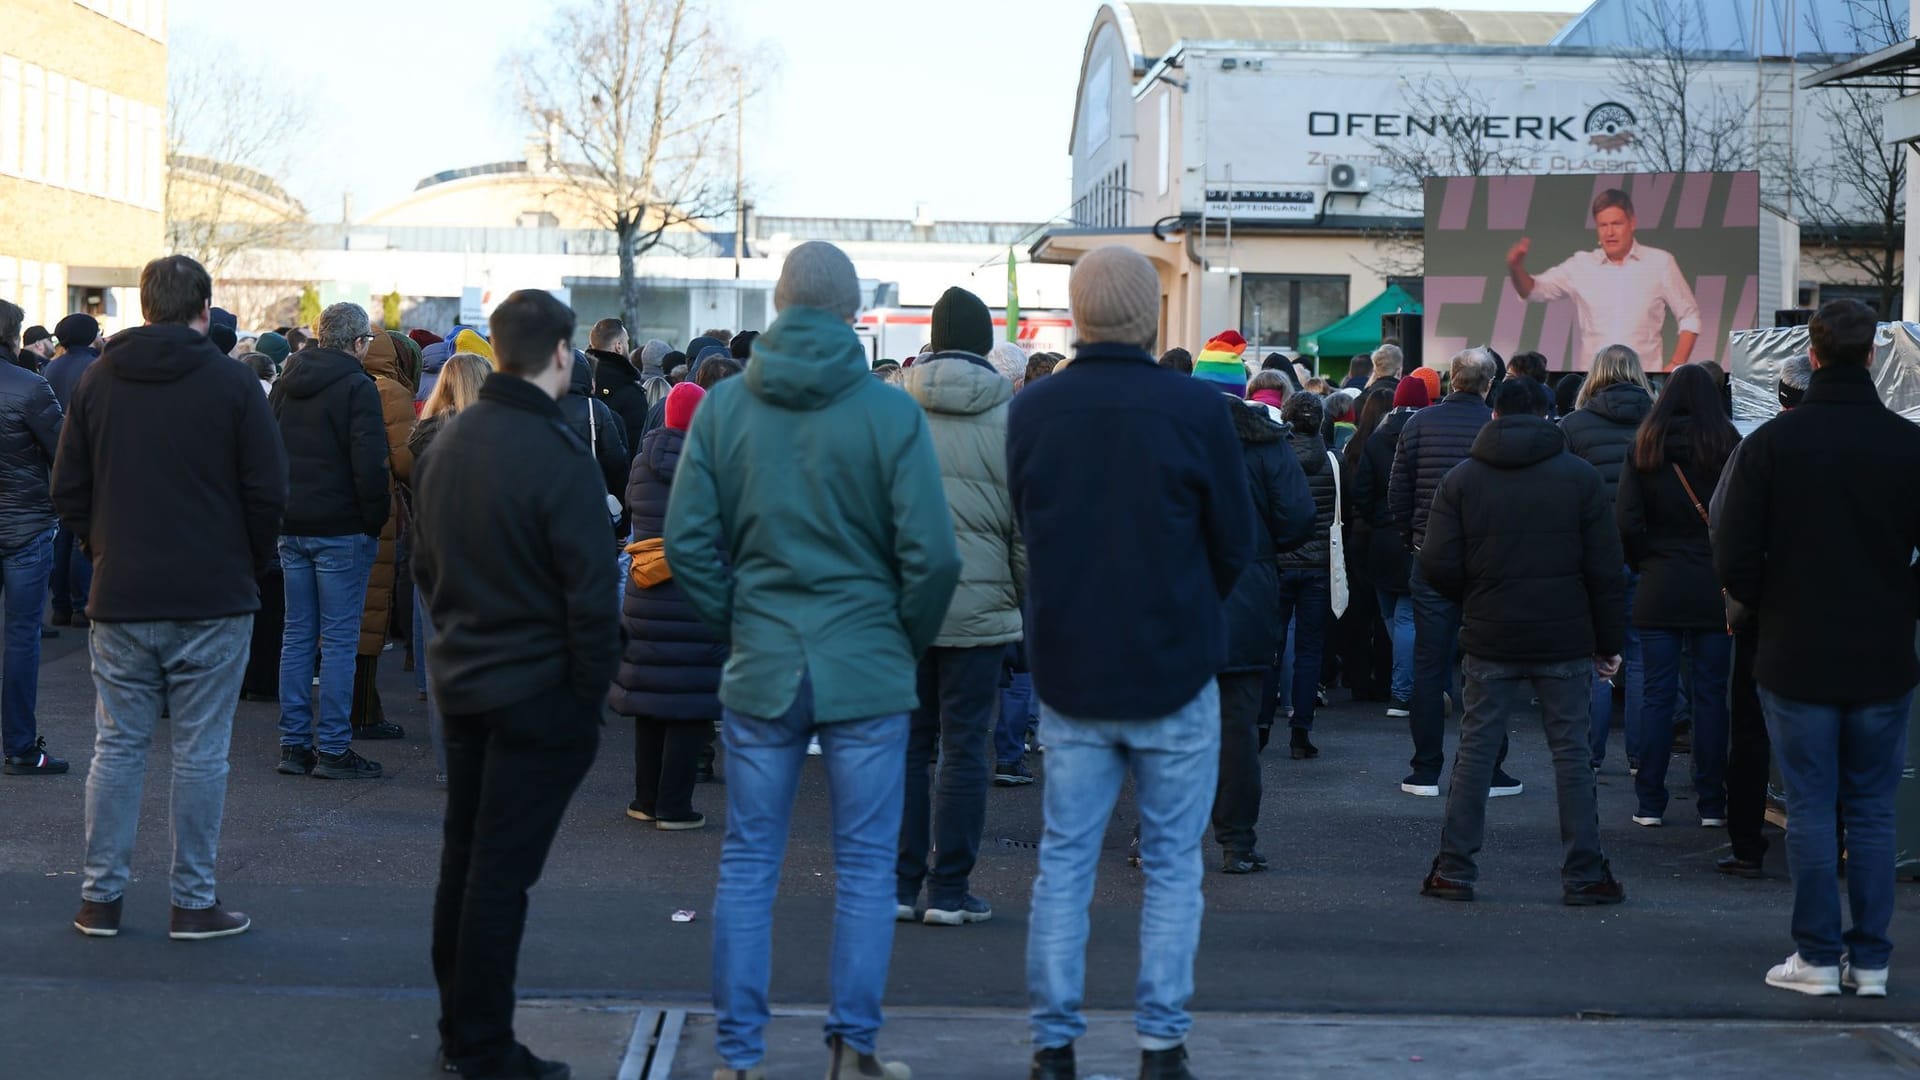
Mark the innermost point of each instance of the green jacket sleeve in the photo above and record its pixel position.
(695, 534)
(926, 556)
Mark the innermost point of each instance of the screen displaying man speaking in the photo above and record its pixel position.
(1579, 271)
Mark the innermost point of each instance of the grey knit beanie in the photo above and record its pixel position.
(653, 352)
(818, 275)
(1115, 295)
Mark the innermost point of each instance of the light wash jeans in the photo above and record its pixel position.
(866, 777)
(1175, 764)
(1396, 609)
(139, 669)
(326, 582)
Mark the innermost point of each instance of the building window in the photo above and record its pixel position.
(56, 130)
(1099, 99)
(9, 116)
(33, 145)
(1275, 309)
(1166, 145)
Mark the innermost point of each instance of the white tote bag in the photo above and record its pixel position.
(1337, 546)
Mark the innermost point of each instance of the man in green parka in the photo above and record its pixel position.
(809, 526)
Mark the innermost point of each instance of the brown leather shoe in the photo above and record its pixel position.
(1441, 887)
(199, 924)
(1594, 893)
(98, 918)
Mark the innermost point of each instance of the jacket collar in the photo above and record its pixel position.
(1847, 385)
(1461, 397)
(1111, 351)
(612, 363)
(516, 392)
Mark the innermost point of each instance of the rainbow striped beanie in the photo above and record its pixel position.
(1219, 363)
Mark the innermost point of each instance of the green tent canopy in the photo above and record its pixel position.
(1358, 333)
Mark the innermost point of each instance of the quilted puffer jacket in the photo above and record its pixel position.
(1601, 431)
(966, 404)
(29, 436)
(1311, 451)
(1433, 442)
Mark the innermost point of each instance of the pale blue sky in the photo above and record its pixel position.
(876, 104)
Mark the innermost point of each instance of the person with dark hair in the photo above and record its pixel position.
(1833, 484)
(72, 570)
(1177, 359)
(1039, 365)
(715, 369)
(1678, 455)
(605, 436)
(298, 340)
(741, 347)
(384, 361)
(1566, 393)
(180, 539)
(333, 423)
(512, 562)
(1434, 441)
(36, 348)
(809, 528)
(262, 367)
(674, 363)
(1521, 536)
(1532, 365)
(1622, 289)
(30, 419)
(1612, 401)
(1305, 571)
(1359, 371)
(1380, 552)
(623, 386)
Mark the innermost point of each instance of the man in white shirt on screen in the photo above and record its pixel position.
(1623, 289)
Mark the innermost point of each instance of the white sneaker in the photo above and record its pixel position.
(1501, 791)
(903, 913)
(1648, 822)
(1801, 977)
(1713, 823)
(813, 747)
(1425, 791)
(1865, 982)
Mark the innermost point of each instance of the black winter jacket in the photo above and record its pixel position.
(1435, 440)
(1384, 560)
(1667, 542)
(511, 557)
(64, 372)
(335, 433)
(624, 390)
(1601, 432)
(603, 431)
(1816, 533)
(173, 477)
(1283, 508)
(30, 419)
(1311, 452)
(670, 669)
(1522, 537)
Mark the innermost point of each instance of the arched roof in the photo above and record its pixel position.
(1157, 28)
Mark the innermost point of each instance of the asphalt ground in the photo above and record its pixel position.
(1332, 948)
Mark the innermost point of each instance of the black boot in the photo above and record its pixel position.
(1302, 747)
(369, 718)
(1053, 1063)
(1164, 1064)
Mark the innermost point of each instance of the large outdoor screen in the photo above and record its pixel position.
(1666, 263)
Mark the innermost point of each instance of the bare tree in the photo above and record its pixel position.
(636, 97)
(1685, 119)
(1853, 201)
(1447, 135)
(230, 132)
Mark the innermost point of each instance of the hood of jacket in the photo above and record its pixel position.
(434, 357)
(661, 451)
(696, 353)
(161, 353)
(581, 382)
(383, 358)
(1393, 423)
(959, 383)
(1312, 452)
(317, 369)
(407, 352)
(610, 369)
(1252, 423)
(1515, 442)
(806, 360)
(1622, 403)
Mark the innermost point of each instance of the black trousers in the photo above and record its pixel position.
(665, 756)
(262, 678)
(949, 772)
(1749, 755)
(1236, 801)
(510, 774)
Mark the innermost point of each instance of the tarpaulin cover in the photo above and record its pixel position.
(1756, 356)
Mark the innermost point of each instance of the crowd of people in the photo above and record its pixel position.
(892, 566)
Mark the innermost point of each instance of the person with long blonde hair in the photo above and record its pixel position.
(457, 388)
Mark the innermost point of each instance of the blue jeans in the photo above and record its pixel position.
(1397, 610)
(24, 572)
(326, 594)
(1306, 598)
(1634, 673)
(72, 577)
(1712, 664)
(1436, 647)
(1175, 764)
(866, 776)
(139, 668)
(1851, 756)
(1017, 703)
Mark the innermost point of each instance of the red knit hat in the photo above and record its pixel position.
(680, 405)
(1411, 394)
(424, 338)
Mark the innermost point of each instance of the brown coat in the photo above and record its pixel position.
(396, 407)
